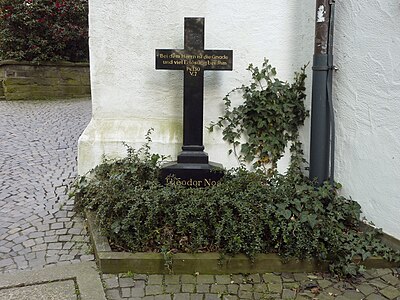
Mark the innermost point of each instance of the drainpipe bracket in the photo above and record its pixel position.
(324, 68)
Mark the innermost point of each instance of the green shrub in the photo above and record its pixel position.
(248, 212)
(44, 30)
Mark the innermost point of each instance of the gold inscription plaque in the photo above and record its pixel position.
(192, 63)
(191, 182)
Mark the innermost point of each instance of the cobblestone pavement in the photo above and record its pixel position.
(38, 227)
(372, 285)
(38, 145)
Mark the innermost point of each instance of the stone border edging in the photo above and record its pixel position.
(203, 263)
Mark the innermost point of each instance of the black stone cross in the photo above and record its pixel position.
(193, 60)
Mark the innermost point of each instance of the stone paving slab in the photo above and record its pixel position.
(47, 291)
(75, 281)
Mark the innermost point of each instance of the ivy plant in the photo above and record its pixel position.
(268, 118)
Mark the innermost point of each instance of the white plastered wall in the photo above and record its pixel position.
(367, 104)
(129, 96)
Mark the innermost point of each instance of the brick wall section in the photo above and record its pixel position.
(36, 81)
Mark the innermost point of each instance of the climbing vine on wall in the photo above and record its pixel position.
(268, 119)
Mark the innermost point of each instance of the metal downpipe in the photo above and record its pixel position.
(322, 118)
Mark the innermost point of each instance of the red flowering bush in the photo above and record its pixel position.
(44, 30)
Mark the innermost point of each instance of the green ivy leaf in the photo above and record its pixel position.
(312, 220)
(365, 255)
(287, 214)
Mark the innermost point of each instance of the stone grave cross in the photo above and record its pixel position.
(193, 60)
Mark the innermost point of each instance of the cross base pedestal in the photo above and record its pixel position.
(193, 157)
(191, 174)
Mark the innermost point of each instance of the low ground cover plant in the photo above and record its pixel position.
(250, 212)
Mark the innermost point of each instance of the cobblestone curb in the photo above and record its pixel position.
(372, 284)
